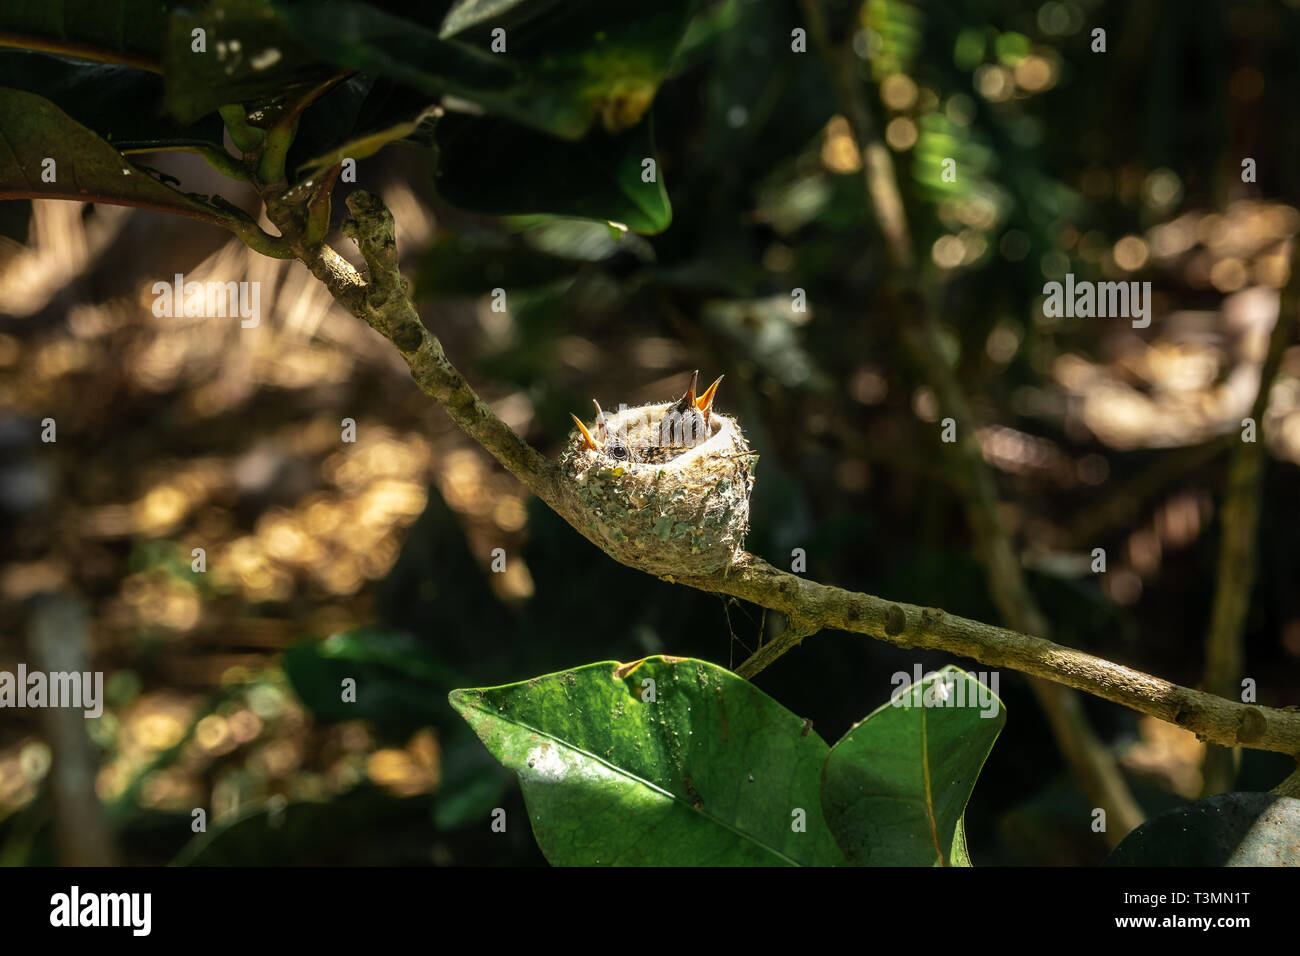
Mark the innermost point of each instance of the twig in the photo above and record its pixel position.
(808, 604)
(1093, 765)
(1224, 657)
(1123, 500)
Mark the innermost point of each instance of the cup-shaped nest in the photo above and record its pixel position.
(682, 516)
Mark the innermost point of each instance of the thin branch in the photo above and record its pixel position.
(810, 605)
(384, 302)
(1124, 500)
(1238, 560)
(1092, 764)
(1211, 718)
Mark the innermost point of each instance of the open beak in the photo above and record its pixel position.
(705, 402)
(687, 400)
(586, 435)
(602, 428)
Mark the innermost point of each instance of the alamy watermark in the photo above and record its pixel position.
(209, 299)
(946, 689)
(75, 908)
(1100, 300)
(82, 690)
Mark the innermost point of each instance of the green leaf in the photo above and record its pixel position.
(560, 72)
(250, 54)
(711, 772)
(1230, 829)
(465, 265)
(492, 166)
(465, 14)
(895, 787)
(355, 116)
(114, 31)
(366, 144)
(119, 103)
(399, 683)
(364, 826)
(32, 130)
(358, 37)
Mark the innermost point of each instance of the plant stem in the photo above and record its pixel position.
(1093, 765)
(243, 135)
(1224, 656)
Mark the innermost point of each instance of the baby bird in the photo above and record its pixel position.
(682, 426)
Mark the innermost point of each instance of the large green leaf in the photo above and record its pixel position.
(250, 54)
(1230, 829)
(895, 787)
(121, 31)
(561, 71)
(32, 130)
(493, 166)
(359, 37)
(119, 103)
(400, 683)
(711, 772)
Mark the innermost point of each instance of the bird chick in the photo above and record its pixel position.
(682, 426)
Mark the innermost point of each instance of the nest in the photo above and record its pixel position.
(687, 515)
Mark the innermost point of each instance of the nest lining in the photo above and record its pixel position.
(686, 515)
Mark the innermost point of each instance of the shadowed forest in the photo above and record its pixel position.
(549, 285)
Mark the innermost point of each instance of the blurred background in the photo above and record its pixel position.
(371, 559)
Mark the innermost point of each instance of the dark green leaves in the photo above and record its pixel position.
(465, 14)
(558, 73)
(244, 52)
(119, 31)
(559, 91)
(896, 786)
(121, 104)
(42, 142)
(364, 826)
(1230, 829)
(399, 683)
(712, 771)
(497, 167)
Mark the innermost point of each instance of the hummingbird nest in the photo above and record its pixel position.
(670, 510)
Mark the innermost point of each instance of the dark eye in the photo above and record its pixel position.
(619, 452)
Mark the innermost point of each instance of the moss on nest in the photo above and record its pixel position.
(688, 515)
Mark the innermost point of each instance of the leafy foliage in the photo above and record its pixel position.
(895, 787)
(545, 112)
(572, 85)
(678, 761)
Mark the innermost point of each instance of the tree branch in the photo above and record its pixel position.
(1209, 717)
(1092, 763)
(1224, 656)
(384, 302)
(809, 603)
